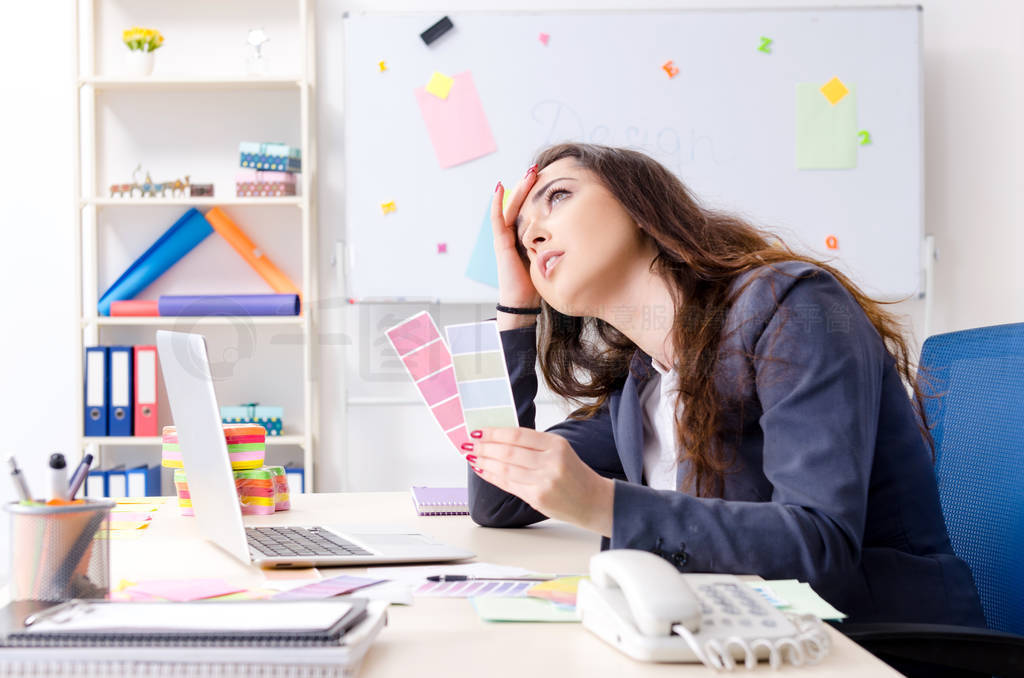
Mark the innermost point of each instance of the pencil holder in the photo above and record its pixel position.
(60, 552)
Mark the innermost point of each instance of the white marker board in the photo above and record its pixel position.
(726, 125)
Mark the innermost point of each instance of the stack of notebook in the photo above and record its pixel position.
(440, 501)
(228, 638)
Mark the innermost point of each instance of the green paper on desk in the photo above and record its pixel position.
(802, 599)
(522, 610)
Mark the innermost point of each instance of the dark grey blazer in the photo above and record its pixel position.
(833, 483)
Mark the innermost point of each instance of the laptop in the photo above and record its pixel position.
(186, 369)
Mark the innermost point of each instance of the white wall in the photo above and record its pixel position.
(974, 64)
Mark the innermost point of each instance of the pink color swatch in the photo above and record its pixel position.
(439, 386)
(448, 413)
(427, 360)
(458, 436)
(413, 333)
(457, 125)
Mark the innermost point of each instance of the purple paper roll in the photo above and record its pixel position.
(230, 304)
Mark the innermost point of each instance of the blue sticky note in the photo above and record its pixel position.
(483, 267)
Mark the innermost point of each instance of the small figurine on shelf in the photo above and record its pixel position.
(255, 64)
(200, 190)
(149, 188)
(141, 43)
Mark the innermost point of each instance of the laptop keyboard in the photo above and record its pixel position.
(300, 541)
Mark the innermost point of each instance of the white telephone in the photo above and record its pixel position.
(638, 603)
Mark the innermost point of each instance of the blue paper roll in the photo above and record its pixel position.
(176, 242)
(229, 304)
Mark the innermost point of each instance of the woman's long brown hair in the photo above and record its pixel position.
(701, 253)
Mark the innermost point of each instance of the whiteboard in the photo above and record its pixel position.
(725, 124)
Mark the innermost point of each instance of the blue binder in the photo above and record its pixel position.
(143, 481)
(121, 391)
(296, 478)
(117, 481)
(176, 242)
(97, 390)
(96, 484)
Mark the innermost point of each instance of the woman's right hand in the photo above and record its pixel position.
(515, 288)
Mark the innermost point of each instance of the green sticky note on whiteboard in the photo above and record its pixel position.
(826, 133)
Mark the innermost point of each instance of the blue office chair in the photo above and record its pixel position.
(976, 410)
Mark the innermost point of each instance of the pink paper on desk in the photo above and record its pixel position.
(181, 590)
(457, 125)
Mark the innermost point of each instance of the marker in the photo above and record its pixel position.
(466, 577)
(78, 477)
(20, 486)
(58, 477)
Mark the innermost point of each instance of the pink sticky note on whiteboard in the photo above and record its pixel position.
(457, 126)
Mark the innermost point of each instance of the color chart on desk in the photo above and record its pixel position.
(428, 361)
(481, 374)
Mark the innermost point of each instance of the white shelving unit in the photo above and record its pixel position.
(90, 201)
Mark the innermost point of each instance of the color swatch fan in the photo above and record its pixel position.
(481, 375)
(418, 343)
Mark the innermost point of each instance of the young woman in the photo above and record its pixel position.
(742, 408)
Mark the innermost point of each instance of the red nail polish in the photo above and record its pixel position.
(476, 434)
(470, 458)
(497, 186)
(532, 169)
(467, 446)
(478, 470)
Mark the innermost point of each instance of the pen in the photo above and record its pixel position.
(58, 477)
(466, 577)
(19, 481)
(78, 477)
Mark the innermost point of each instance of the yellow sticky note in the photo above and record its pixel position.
(834, 90)
(386, 207)
(127, 525)
(439, 85)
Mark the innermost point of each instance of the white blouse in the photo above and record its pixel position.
(658, 400)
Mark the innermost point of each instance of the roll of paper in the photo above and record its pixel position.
(229, 304)
(135, 308)
(176, 242)
(256, 258)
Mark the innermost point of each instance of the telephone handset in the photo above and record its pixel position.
(640, 604)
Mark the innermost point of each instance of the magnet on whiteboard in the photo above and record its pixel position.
(382, 65)
(442, 248)
(387, 207)
(832, 242)
(544, 37)
(670, 68)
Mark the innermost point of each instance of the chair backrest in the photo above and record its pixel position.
(977, 414)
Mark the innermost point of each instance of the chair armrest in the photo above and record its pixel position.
(961, 647)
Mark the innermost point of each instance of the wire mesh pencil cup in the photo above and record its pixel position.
(60, 552)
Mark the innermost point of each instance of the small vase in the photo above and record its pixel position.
(139, 63)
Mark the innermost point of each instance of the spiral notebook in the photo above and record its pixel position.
(206, 654)
(440, 501)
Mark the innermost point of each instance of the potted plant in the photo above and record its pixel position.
(141, 43)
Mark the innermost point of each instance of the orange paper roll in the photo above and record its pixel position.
(230, 231)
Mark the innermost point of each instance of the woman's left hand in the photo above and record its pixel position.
(543, 470)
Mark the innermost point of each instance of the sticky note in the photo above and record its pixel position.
(670, 68)
(544, 37)
(387, 207)
(834, 90)
(826, 133)
(522, 610)
(457, 126)
(439, 85)
(561, 590)
(478, 360)
(428, 363)
(483, 266)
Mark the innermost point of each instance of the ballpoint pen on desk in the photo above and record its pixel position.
(19, 481)
(467, 577)
(78, 477)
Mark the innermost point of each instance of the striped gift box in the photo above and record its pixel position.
(282, 501)
(247, 446)
(255, 491)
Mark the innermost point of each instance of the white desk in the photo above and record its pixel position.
(444, 637)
